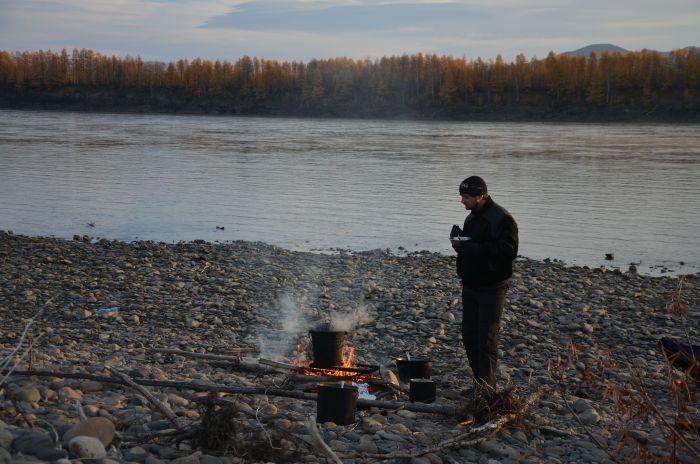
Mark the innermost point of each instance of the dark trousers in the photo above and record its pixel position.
(481, 322)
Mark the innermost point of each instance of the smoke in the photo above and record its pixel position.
(293, 319)
(278, 344)
(313, 302)
(348, 321)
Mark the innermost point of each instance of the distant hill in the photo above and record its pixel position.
(597, 48)
(695, 49)
(600, 48)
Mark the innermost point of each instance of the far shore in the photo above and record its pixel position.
(493, 115)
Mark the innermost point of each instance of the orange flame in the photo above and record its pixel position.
(300, 359)
(348, 356)
(302, 364)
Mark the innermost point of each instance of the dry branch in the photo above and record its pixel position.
(225, 360)
(361, 403)
(281, 367)
(191, 354)
(162, 407)
(319, 443)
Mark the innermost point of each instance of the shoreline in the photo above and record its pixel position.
(486, 116)
(655, 270)
(210, 298)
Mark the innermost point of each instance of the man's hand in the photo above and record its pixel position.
(464, 246)
(455, 231)
(459, 245)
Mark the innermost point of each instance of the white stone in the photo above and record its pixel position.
(83, 447)
(590, 417)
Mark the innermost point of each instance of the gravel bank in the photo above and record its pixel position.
(210, 298)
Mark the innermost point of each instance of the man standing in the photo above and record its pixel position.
(485, 264)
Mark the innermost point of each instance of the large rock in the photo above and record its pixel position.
(6, 438)
(38, 445)
(83, 447)
(29, 394)
(28, 442)
(191, 459)
(96, 427)
(5, 456)
(208, 459)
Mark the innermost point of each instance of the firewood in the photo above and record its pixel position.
(234, 362)
(181, 385)
(318, 442)
(162, 407)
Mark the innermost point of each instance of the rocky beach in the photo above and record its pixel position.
(582, 344)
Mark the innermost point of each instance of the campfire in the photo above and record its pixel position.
(347, 369)
(332, 359)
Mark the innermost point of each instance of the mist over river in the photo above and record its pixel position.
(577, 191)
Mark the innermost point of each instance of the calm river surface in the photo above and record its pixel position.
(577, 191)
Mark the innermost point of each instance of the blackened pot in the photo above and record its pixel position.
(336, 403)
(422, 390)
(416, 368)
(327, 347)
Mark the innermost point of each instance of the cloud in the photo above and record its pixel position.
(168, 30)
(135, 27)
(358, 17)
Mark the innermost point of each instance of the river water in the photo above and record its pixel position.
(577, 191)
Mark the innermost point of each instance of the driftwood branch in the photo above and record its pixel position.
(318, 442)
(361, 403)
(275, 364)
(162, 407)
(192, 354)
(222, 360)
(179, 385)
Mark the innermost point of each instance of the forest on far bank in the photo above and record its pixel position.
(645, 85)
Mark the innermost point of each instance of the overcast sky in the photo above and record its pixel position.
(167, 30)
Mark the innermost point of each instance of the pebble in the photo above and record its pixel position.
(136, 454)
(70, 394)
(212, 297)
(371, 425)
(367, 444)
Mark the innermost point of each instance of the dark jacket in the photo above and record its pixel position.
(487, 259)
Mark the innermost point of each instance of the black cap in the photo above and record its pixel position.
(473, 185)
